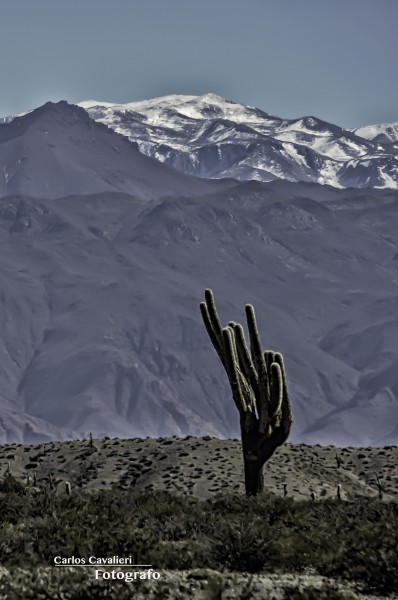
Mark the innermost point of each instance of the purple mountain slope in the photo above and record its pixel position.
(100, 322)
(57, 150)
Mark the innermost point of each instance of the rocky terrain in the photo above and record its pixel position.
(201, 468)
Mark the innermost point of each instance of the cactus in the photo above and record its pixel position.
(339, 488)
(339, 461)
(379, 486)
(259, 389)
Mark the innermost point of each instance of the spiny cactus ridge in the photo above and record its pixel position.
(259, 388)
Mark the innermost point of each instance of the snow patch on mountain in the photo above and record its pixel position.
(181, 130)
(384, 133)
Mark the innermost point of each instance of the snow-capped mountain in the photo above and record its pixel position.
(209, 136)
(384, 133)
(57, 150)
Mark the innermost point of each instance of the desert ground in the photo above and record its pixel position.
(204, 467)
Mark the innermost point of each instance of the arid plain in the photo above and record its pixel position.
(202, 467)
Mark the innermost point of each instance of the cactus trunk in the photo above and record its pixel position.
(254, 478)
(257, 450)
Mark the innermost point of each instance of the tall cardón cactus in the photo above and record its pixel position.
(259, 389)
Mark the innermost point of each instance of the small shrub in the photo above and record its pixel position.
(10, 485)
(326, 592)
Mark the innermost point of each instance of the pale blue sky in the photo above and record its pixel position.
(335, 59)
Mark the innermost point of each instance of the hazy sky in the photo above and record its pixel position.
(334, 59)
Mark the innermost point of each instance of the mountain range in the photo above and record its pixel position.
(106, 254)
(57, 150)
(209, 136)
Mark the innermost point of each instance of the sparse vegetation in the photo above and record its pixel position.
(228, 532)
(326, 592)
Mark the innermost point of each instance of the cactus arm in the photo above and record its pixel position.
(232, 370)
(233, 345)
(255, 345)
(276, 390)
(263, 396)
(211, 307)
(244, 356)
(286, 410)
(249, 400)
(269, 358)
(249, 378)
(215, 339)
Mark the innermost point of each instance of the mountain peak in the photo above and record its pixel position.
(175, 101)
(211, 97)
(58, 108)
(60, 103)
(61, 114)
(58, 150)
